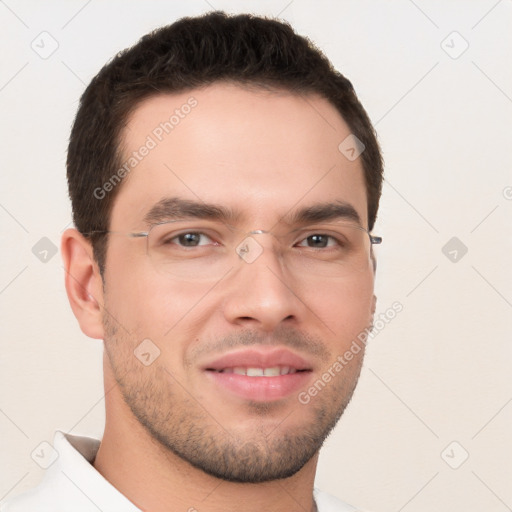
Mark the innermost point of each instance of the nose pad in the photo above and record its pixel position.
(250, 249)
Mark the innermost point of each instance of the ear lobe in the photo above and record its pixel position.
(84, 285)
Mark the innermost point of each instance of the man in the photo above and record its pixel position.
(224, 181)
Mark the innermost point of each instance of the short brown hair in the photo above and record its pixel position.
(195, 52)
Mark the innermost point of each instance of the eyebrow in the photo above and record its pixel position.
(323, 212)
(175, 208)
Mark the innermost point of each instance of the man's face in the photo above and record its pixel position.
(262, 157)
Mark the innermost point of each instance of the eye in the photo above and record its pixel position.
(190, 239)
(318, 241)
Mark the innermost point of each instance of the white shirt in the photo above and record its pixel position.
(72, 483)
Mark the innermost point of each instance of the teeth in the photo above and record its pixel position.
(273, 371)
(255, 372)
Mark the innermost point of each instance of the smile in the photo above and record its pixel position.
(262, 374)
(273, 371)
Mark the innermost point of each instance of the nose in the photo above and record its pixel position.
(260, 293)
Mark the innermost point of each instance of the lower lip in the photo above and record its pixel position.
(263, 389)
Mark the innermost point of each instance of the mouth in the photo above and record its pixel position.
(272, 371)
(259, 374)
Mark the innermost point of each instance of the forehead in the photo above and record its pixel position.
(261, 153)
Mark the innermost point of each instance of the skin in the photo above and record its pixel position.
(263, 154)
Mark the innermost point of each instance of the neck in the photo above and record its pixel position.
(153, 478)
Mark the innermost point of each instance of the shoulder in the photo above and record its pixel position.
(64, 480)
(327, 503)
(39, 498)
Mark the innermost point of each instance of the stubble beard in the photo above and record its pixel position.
(185, 427)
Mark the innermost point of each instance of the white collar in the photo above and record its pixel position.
(72, 482)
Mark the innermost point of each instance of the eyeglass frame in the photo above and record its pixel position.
(374, 239)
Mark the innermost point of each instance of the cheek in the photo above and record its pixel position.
(149, 304)
(345, 309)
(151, 309)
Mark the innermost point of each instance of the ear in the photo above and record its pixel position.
(84, 284)
(374, 307)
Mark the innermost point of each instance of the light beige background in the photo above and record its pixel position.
(438, 373)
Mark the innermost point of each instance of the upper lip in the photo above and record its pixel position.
(259, 358)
